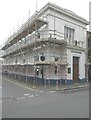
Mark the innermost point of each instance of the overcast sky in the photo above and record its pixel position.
(15, 12)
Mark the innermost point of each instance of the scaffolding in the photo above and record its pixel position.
(29, 36)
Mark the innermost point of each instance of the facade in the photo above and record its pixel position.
(50, 48)
(90, 16)
(89, 44)
(89, 54)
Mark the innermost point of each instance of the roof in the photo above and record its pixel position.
(64, 11)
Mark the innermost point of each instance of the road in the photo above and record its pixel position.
(0, 95)
(21, 102)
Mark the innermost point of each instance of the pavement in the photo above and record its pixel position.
(74, 86)
(61, 88)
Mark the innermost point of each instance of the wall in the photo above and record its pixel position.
(82, 62)
(62, 20)
(58, 22)
(90, 16)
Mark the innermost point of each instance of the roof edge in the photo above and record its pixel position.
(64, 11)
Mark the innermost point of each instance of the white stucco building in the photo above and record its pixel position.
(50, 48)
(90, 16)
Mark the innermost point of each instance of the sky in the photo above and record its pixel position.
(15, 12)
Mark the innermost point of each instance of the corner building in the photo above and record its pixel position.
(50, 48)
(89, 55)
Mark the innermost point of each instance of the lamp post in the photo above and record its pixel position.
(42, 58)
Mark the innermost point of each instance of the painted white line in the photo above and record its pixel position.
(26, 94)
(21, 85)
(0, 87)
(0, 101)
(31, 96)
(20, 98)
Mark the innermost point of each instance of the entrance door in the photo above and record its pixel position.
(89, 73)
(75, 69)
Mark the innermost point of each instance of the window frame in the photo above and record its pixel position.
(69, 32)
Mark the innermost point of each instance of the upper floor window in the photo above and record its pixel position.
(68, 32)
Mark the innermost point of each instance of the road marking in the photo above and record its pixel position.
(20, 98)
(26, 94)
(21, 85)
(0, 101)
(31, 96)
(0, 87)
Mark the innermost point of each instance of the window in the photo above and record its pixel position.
(68, 32)
(69, 70)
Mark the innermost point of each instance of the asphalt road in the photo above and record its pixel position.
(20, 102)
(0, 96)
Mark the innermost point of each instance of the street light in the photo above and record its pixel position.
(42, 58)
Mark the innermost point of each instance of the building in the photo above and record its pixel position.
(89, 44)
(1, 61)
(50, 48)
(90, 16)
(89, 55)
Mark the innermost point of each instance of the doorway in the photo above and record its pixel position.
(75, 69)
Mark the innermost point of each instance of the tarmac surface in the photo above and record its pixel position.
(21, 100)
